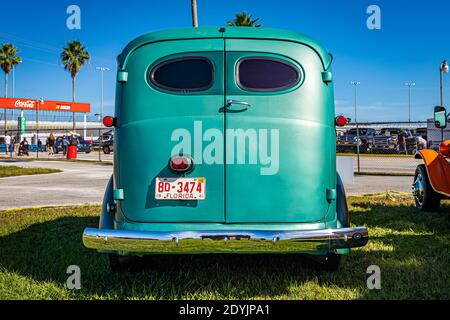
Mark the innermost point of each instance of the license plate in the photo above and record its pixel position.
(180, 189)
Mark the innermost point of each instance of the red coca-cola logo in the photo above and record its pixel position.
(24, 104)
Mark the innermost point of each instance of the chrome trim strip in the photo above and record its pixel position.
(231, 241)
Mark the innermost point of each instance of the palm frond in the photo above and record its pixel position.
(243, 19)
(74, 56)
(8, 57)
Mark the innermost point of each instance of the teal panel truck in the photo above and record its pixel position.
(225, 142)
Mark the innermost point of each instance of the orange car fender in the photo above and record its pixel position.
(438, 170)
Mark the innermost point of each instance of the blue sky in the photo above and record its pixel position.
(413, 40)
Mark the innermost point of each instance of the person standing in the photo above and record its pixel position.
(65, 143)
(401, 143)
(7, 142)
(16, 143)
(51, 140)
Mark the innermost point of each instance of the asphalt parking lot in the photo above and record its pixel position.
(79, 183)
(84, 183)
(386, 164)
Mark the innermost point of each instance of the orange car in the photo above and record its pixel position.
(432, 179)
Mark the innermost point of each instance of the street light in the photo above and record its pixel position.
(102, 70)
(443, 68)
(409, 85)
(100, 136)
(355, 84)
(194, 13)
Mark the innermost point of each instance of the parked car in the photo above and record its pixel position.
(108, 146)
(350, 140)
(106, 136)
(105, 142)
(82, 146)
(168, 192)
(386, 141)
(432, 178)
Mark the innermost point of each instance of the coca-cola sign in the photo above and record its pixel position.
(24, 104)
(47, 105)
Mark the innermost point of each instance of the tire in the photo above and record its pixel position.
(106, 150)
(331, 262)
(425, 197)
(121, 264)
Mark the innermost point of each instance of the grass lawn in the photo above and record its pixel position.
(410, 247)
(12, 171)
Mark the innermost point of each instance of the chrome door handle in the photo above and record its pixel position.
(242, 103)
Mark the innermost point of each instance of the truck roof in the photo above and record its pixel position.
(227, 33)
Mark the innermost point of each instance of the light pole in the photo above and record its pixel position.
(194, 13)
(409, 85)
(355, 84)
(443, 69)
(100, 137)
(38, 102)
(13, 87)
(102, 70)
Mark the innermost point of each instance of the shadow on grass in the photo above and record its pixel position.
(411, 249)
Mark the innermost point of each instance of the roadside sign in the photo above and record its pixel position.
(22, 124)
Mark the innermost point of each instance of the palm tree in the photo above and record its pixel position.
(8, 58)
(243, 19)
(74, 56)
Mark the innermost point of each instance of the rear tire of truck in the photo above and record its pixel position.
(106, 150)
(120, 264)
(424, 195)
(331, 262)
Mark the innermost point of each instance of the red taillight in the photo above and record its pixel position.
(181, 163)
(108, 121)
(340, 121)
(444, 148)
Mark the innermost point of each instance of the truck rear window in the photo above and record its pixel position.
(266, 74)
(183, 74)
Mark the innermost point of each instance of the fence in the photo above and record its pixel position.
(377, 147)
(34, 144)
(387, 147)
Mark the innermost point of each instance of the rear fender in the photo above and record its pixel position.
(438, 170)
(106, 218)
(341, 204)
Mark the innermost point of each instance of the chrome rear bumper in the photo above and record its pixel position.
(224, 241)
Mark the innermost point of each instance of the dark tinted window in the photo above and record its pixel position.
(186, 74)
(263, 74)
(354, 131)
